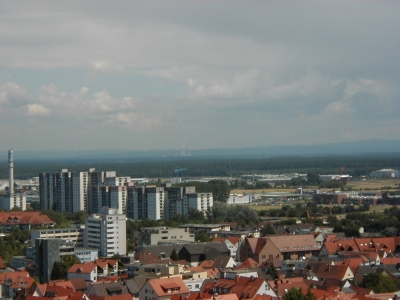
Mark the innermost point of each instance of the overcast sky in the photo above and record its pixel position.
(146, 75)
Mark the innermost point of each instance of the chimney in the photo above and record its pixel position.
(11, 177)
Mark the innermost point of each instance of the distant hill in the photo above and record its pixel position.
(116, 155)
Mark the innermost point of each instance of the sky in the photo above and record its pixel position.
(140, 75)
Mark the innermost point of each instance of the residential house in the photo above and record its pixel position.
(107, 289)
(232, 242)
(243, 287)
(222, 262)
(163, 289)
(333, 245)
(87, 271)
(12, 282)
(196, 253)
(340, 272)
(283, 246)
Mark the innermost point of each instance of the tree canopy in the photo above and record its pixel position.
(380, 283)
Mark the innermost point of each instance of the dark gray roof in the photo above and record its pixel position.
(160, 249)
(221, 261)
(132, 286)
(105, 289)
(198, 248)
(392, 269)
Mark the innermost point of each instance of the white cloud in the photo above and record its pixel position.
(37, 110)
(13, 95)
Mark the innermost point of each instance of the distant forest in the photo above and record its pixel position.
(354, 166)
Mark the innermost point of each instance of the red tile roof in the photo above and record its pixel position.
(294, 243)
(249, 263)
(25, 218)
(16, 280)
(335, 272)
(162, 285)
(148, 258)
(247, 287)
(234, 240)
(85, 268)
(390, 260)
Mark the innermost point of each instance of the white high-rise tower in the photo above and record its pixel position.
(12, 199)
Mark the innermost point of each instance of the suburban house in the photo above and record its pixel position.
(231, 242)
(196, 253)
(12, 282)
(163, 289)
(87, 271)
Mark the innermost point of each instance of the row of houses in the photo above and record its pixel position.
(336, 269)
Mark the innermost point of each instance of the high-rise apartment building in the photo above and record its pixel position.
(9, 201)
(164, 202)
(199, 201)
(66, 191)
(109, 196)
(106, 232)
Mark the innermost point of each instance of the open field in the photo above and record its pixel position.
(354, 185)
(374, 184)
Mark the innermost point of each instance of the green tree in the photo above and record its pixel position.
(352, 230)
(203, 237)
(297, 294)
(217, 213)
(313, 178)
(272, 271)
(195, 215)
(60, 268)
(380, 283)
(294, 294)
(310, 295)
(35, 205)
(174, 255)
(267, 229)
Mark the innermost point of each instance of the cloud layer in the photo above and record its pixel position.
(95, 75)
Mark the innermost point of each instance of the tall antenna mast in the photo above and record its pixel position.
(11, 175)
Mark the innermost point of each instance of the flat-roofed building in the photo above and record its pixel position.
(75, 234)
(106, 232)
(152, 235)
(385, 173)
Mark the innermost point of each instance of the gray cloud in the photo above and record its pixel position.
(224, 74)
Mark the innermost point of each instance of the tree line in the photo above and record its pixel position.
(355, 166)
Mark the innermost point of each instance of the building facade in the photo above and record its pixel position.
(152, 235)
(66, 191)
(106, 232)
(9, 201)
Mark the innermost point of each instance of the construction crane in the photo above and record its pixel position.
(341, 170)
(177, 170)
